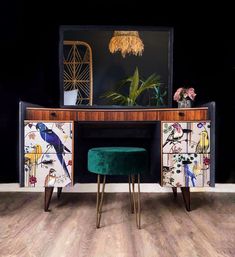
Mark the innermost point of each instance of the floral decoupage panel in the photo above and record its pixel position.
(174, 138)
(48, 169)
(48, 137)
(48, 149)
(199, 138)
(172, 174)
(186, 170)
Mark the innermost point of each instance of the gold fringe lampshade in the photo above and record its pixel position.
(127, 42)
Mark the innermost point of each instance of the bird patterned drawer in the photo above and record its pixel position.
(186, 170)
(54, 137)
(48, 151)
(186, 137)
(185, 154)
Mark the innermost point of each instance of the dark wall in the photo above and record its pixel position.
(204, 57)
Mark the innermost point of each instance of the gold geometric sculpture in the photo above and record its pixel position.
(127, 42)
(78, 70)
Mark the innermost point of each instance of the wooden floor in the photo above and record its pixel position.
(69, 229)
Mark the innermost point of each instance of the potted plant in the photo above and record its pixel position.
(137, 87)
(184, 96)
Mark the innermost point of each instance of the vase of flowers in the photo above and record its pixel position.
(184, 97)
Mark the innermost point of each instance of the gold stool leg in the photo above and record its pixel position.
(131, 201)
(139, 224)
(134, 200)
(99, 200)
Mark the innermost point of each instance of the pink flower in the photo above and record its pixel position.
(184, 93)
(177, 94)
(191, 94)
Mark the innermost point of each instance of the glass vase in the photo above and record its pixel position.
(185, 103)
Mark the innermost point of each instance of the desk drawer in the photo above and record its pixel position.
(185, 154)
(50, 114)
(104, 115)
(48, 153)
(181, 115)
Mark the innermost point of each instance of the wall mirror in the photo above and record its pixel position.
(115, 66)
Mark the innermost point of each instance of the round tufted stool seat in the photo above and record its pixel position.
(128, 161)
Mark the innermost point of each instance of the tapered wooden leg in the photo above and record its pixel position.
(174, 189)
(186, 197)
(47, 199)
(59, 191)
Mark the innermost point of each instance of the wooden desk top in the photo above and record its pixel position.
(90, 114)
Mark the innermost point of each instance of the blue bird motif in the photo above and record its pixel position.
(52, 139)
(189, 174)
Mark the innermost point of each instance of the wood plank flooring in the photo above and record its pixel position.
(69, 229)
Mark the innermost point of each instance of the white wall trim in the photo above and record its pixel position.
(117, 187)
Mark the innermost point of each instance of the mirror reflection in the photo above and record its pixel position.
(77, 73)
(116, 67)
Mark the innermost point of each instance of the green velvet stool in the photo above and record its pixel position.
(128, 161)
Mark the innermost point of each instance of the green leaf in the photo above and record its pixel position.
(134, 85)
(122, 83)
(137, 86)
(150, 83)
(164, 94)
(116, 97)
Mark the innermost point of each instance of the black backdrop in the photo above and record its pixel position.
(204, 58)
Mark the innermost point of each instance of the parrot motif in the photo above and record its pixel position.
(53, 140)
(34, 155)
(175, 135)
(203, 143)
(189, 175)
(196, 168)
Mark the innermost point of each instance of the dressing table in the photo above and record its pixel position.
(134, 116)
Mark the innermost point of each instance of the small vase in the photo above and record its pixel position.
(185, 103)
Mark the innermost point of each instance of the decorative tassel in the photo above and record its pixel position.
(127, 42)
